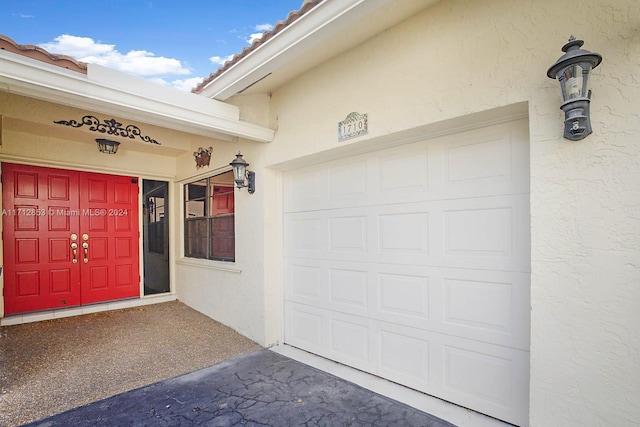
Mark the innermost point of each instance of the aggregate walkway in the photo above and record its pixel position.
(262, 388)
(56, 365)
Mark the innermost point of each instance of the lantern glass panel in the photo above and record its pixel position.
(239, 174)
(574, 81)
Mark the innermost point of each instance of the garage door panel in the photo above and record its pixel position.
(480, 233)
(402, 172)
(349, 181)
(482, 163)
(473, 304)
(350, 340)
(487, 306)
(413, 263)
(304, 281)
(341, 287)
(484, 376)
(468, 372)
(349, 286)
(471, 373)
(306, 235)
(403, 297)
(403, 233)
(307, 328)
(487, 162)
(486, 233)
(305, 189)
(404, 358)
(348, 233)
(462, 155)
(465, 371)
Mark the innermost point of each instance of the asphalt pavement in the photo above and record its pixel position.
(262, 388)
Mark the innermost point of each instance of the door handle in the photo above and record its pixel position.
(85, 246)
(74, 251)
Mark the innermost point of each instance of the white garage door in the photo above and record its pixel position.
(413, 263)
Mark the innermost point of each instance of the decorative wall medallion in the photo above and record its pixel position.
(202, 157)
(110, 127)
(355, 124)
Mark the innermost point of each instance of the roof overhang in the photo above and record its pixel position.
(330, 28)
(111, 92)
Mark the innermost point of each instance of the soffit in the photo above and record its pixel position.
(328, 29)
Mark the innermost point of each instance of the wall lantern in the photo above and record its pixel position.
(242, 176)
(572, 71)
(107, 146)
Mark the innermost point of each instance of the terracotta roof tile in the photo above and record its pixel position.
(41, 54)
(307, 5)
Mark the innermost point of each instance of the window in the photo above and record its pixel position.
(209, 230)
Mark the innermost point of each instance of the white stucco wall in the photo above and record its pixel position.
(444, 68)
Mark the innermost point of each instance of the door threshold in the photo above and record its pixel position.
(457, 415)
(17, 319)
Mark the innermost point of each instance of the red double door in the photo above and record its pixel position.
(69, 238)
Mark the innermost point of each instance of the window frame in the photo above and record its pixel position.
(201, 241)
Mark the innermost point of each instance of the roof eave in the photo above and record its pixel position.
(320, 23)
(111, 92)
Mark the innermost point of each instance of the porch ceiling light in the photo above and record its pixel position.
(572, 71)
(107, 146)
(244, 178)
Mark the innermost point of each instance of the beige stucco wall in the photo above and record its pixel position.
(231, 293)
(457, 64)
(460, 62)
(29, 136)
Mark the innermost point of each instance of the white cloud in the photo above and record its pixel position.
(263, 27)
(186, 84)
(136, 62)
(218, 60)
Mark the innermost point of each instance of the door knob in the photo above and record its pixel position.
(74, 251)
(85, 246)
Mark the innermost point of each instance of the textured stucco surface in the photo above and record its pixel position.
(451, 64)
(457, 64)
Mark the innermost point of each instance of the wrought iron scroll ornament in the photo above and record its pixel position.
(110, 127)
(202, 157)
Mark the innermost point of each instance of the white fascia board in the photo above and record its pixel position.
(320, 23)
(111, 92)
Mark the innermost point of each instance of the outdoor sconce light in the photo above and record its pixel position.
(107, 146)
(572, 71)
(242, 176)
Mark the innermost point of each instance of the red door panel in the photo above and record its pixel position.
(38, 206)
(43, 209)
(111, 229)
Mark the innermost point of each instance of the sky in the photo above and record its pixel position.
(176, 43)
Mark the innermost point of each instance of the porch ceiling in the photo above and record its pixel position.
(113, 93)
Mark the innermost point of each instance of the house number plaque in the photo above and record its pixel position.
(355, 124)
